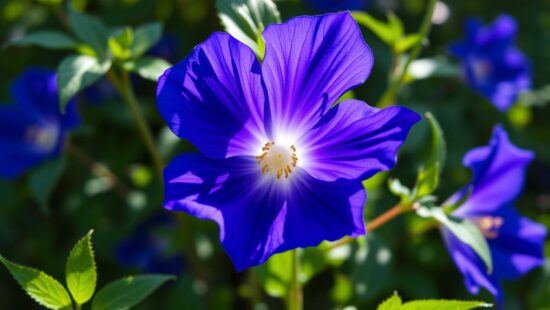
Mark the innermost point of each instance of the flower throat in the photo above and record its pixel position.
(277, 160)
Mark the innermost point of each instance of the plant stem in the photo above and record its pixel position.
(126, 91)
(99, 170)
(388, 98)
(295, 297)
(373, 225)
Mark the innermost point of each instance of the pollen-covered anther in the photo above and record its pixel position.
(489, 226)
(277, 160)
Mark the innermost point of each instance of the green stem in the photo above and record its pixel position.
(388, 98)
(126, 91)
(295, 296)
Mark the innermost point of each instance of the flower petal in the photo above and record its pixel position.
(259, 216)
(519, 245)
(35, 92)
(214, 98)
(355, 141)
(310, 61)
(499, 172)
(471, 266)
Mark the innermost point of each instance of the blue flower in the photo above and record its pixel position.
(147, 247)
(492, 64)
(327, 6)
(33, 129)
(280, 166)
(516, 243)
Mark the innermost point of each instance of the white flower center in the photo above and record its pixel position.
(277, 160)
(44, 138)
(489, 225)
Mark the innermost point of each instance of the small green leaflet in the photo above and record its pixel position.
(145, 36)
(80, 271)
(127, 292)
(395, 303)
(46, 39)
(41, 287)
(428, 175)
(246, 19)
(90, 30)
(75, 73)
(150, 68)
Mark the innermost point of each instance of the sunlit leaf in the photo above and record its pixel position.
(245, 19)
(428, 175)
(379, 28)
(90, 29)
(41, 287)
(75, 73)
(404, 44)
(145, 37)
(80, 271)
(148, 67)
(392, 303)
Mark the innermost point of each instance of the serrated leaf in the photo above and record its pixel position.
(145, 37)
(75, 73)
(404, 44)
(428, 175)
(443, 305)
(43, 180)
(90, 29)
(46, 39)
(245, 19)
(148, 67)
(379, 28)
(41, 287)
(392, 303)
(80, 271)
(127, 292)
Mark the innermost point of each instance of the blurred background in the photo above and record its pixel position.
(133, 234)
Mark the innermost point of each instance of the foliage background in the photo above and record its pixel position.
(404, 255)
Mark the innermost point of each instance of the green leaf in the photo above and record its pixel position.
(76, 73)
(80, 271)
(90, 30)
(43, 180)
(148, 67)
(398, 189)
(465, 230)
(274, 274)
(245, 19)
(120, 43)
(428, 175)
(392, 303)
(41, 287)
(47, 39)
(127, 292)
(145, 36)
(404, 44)
(379, 28)
(437, 67)
(396, 26)
(444, 305)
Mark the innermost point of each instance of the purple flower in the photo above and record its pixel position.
(492, 64)
(280, 166)
(32, 130)
(516, 243)
(146, 248)
(328, 6)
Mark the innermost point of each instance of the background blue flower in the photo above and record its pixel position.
(33, 129)
(492, 64)
(327, 6)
